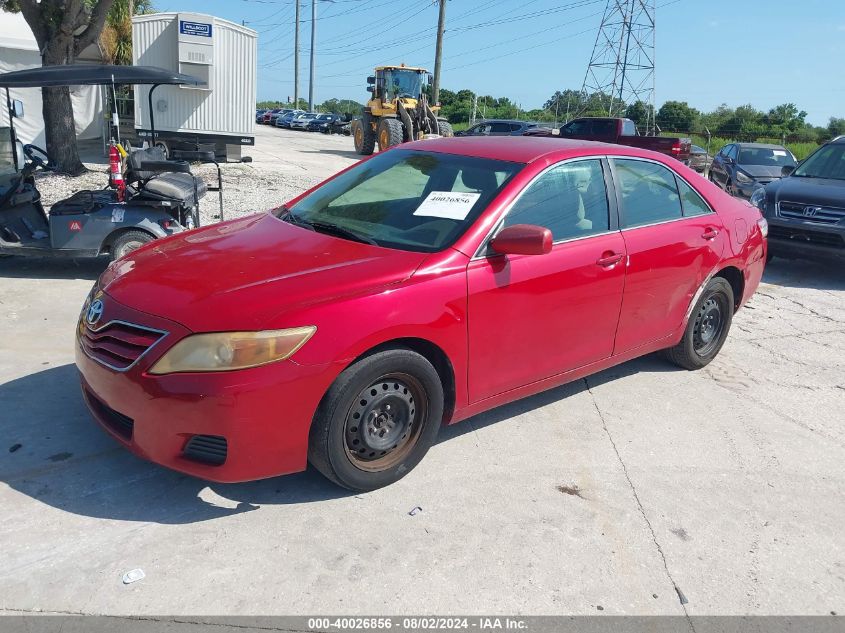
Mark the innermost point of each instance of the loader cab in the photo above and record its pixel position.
(398, 82)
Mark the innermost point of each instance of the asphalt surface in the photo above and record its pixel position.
(617, 494)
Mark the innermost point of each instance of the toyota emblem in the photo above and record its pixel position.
(95, 311)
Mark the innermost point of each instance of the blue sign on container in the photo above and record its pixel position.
(199, 29)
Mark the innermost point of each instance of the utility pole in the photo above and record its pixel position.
(296, 60)
(438, 53)
(474, 109)
(313, 48)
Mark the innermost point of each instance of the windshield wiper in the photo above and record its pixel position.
(328, 227)
(286, 215)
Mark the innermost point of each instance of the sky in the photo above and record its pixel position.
(708, 52)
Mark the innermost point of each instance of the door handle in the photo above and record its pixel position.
(710, 233)
(609, 259)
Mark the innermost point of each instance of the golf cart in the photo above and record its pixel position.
(147, 198)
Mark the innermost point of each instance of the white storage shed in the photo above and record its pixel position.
(224, 55)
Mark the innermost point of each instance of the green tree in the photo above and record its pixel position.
(116, 38)
(638, 112)
(676, 116)
(62, 29)
(836, 127)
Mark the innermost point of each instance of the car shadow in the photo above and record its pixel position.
(52, 451)
(799, 273)
(651, 363)
(52, 267)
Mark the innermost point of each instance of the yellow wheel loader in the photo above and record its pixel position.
(398, 110)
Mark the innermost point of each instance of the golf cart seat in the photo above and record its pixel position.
(153, 177)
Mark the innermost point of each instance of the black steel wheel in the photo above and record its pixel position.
(707, 327)
(377, 420)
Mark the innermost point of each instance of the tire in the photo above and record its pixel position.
(708, 327)
(390, 132)
(445, 129)
(363, 135)
(728, 187)
(366, 458)
(129, 241)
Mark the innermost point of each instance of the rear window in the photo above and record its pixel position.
(649, 193)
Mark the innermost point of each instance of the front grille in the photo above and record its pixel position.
(820, 213)
(117, 344)
(208, 449)
(121, 424)
(818, 238)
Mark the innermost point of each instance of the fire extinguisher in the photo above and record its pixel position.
(116, 172)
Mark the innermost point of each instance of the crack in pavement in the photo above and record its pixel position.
(678, 591)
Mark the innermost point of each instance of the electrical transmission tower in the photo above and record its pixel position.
(621, 68)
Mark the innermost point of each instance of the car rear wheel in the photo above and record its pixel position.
(363, 135)
(377, 421)
(707, 328)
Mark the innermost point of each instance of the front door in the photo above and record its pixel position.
(534, 316)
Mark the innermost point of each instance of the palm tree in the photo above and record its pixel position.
(116, 39)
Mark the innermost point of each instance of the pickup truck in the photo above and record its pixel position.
(624, 132)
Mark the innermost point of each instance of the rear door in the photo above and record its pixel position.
(673, 241)
(534, 316)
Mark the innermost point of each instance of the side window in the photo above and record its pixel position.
(516, 127)
(480, 130)
(604, 127)
(570, 200)
(732, 151)
(628, 128)
(648, 191)
(692, 203)
(500, 128)
(724, 150)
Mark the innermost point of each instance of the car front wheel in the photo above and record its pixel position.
(377, 421)
(707, 328)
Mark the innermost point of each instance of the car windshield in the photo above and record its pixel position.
(403, 83)
(774, 157)
(827, 162)
(410, 200)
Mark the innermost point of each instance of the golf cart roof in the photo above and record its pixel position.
(93, 74)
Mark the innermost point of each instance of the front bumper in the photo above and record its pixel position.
(806, 240)
(264, 413)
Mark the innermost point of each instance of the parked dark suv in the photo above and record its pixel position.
(498, 127)
(806, 208)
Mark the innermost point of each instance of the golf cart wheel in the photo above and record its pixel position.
(129, 241)
(363, 135)
(445, 128)
(390, 132)
(377, 420)
(707, 328)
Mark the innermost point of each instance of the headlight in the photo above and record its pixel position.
(227, 351)
(740, 177)
(758, 198)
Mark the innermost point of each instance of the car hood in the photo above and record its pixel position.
(812, 191)
(239, 275)
(761, 171)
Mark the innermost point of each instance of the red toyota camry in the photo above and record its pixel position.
(417, 288)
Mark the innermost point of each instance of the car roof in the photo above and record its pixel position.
(507, 121)
(759, 146)
(524, 149)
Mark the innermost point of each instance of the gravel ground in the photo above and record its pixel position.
(279, 172)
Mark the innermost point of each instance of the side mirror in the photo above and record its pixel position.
(17, 109)
(786, 170)
(371, 80)
(523, 239)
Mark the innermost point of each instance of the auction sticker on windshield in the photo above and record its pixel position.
(448, 204)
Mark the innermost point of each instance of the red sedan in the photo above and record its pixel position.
(419, 287)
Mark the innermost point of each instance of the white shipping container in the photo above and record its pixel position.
(222, 53)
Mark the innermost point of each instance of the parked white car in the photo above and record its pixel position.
(301, 122)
